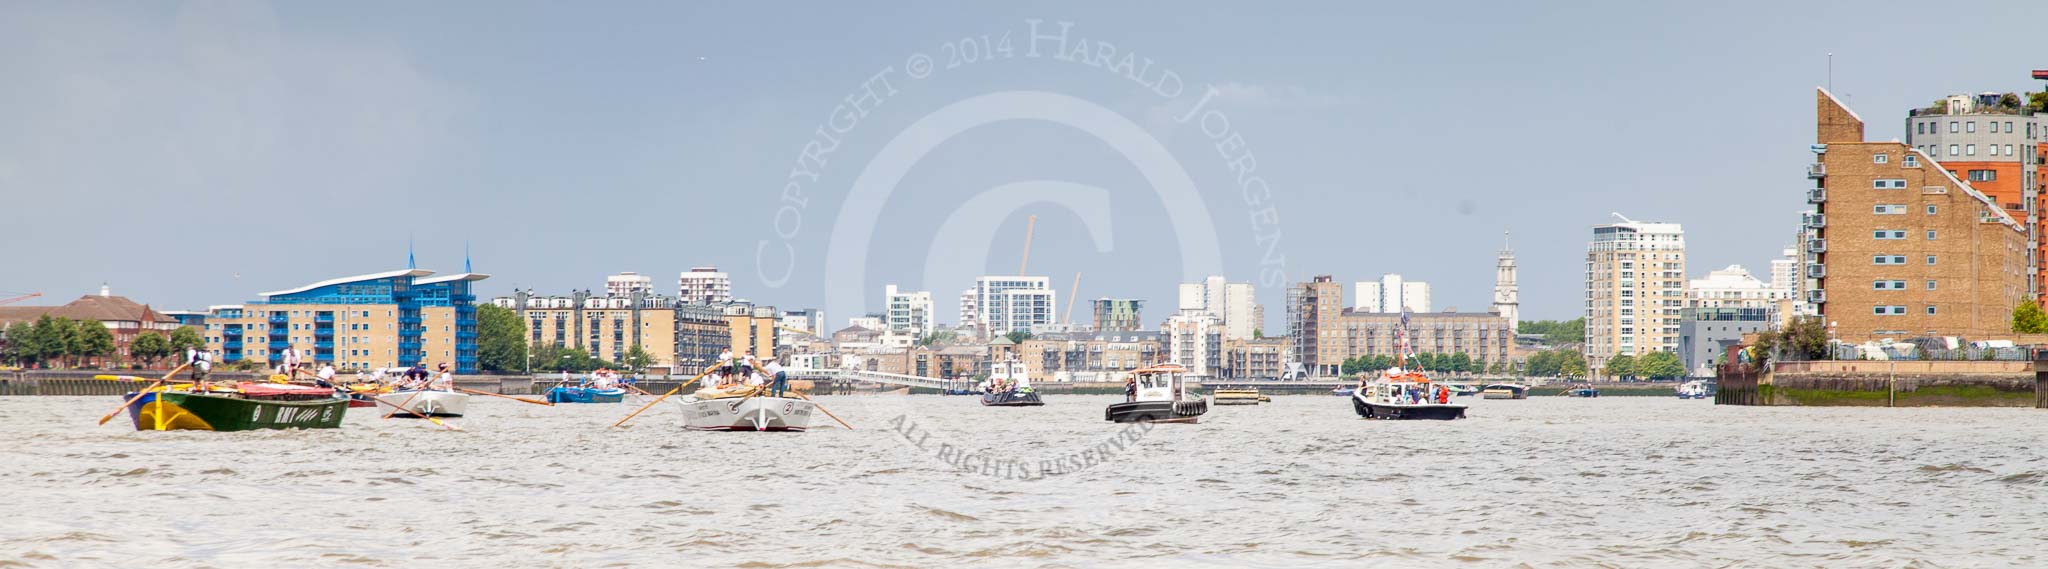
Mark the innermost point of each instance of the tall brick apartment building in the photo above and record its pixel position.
(1898, 246)
(1995, 143)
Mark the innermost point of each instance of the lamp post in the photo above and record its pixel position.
(1831, 339)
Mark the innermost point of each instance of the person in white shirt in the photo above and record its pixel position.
(290, 367)
(775, 374)
(445, 381)
(325, 378)
(724, 365)
(202, 363)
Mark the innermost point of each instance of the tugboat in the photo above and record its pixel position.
(1009, 386)
(1399, 394)
(1161, 397)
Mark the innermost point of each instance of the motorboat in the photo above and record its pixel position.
(1161, 397)
(1587, 391)
(1399, 394)
(1009, 385)
(1695, 389)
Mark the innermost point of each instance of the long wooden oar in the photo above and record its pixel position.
(397, 408)
(402, 406)
(828, 412)
(636, 412)
(144, 391)
(501, 395)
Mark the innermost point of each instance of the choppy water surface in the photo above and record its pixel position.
(1627, 482)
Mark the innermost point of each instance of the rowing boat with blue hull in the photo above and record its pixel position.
(585, 395)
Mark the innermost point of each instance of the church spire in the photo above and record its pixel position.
(409, 263)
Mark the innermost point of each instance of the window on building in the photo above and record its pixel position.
(1930, 209)
(1930, 285)
(1880, 158)
(1969, 150)
(2008, 127)
(1970, 126)
(1889, 260)
(1930, 235)
(1889, 234)
(2008, 150)
(1888, 209)
(1952, 127)
(1983, 175)
(1952, 150)
(1912, 161)
(1930, 260)
(1920, 128)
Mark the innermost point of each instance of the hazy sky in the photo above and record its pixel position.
(196, 154)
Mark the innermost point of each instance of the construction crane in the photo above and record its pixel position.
(1073, 294)
(1029, 224)
(14, 299)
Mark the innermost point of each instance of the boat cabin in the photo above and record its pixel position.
(1163, 382)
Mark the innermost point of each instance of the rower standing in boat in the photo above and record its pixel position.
(290, 367)
(445, 381)
(724, 372)
(1130, 389)
(202, 363)
(779, 378)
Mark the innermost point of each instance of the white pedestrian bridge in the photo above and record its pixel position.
(870, 376)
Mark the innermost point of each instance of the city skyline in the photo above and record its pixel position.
(439, 136)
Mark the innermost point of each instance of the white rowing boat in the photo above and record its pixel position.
(760, 413)
(430, 403)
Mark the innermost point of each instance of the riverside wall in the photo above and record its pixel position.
(1885, 384)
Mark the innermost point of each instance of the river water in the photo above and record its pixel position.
(1622, 482)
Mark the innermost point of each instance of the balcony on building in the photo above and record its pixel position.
(1816, 171)
(1816, 245)
(1816, 195)
(327, 317)
(1816, 270)
(1819, 296)
(1815, 220)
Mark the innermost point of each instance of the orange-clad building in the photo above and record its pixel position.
(1995, 143)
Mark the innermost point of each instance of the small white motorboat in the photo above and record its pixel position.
(1405, 395)
(430, 403)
